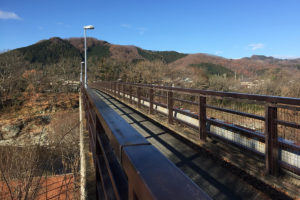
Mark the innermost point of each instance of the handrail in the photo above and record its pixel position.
(273, 145)
(127, 165)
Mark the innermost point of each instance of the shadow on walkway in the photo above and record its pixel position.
(212, 175)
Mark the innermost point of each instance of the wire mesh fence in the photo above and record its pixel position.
(242, 119)
(289, 135)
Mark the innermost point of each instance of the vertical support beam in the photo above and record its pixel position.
(138, 91)
(111, 87)
(115, 89)
(119, 90)
(271, 153)
(202, 118)
(98, 153)
(130, 93)
(82, 154)
(123, 89)
(170, 107)
(131, 193)
(151, 98)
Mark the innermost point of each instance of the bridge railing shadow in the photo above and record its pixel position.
(206, 169)
(267, 126)
(127, 166)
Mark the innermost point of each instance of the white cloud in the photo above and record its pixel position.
(125, 25)
(256, 46)
(9, 15)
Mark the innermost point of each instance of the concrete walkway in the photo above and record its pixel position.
(212, 175)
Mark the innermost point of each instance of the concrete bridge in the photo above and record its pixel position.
(156, 142)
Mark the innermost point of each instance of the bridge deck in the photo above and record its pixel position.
(211, 174)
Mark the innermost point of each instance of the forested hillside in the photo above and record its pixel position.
(47, 65)
(49, 51)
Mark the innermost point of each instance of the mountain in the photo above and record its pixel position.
(46, 66)
(49, 51)
(248, 67)
(53, 50)
(123, 53)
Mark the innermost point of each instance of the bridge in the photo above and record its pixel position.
(158, 142)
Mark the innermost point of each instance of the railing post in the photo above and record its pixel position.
(138, 91)
(271, 141)
(131, 193)
(111, 88)
(115, 89)
(151, 97)
(130, 94)
(202, 117)
(170, 107)
(123, 89)
(119, 90)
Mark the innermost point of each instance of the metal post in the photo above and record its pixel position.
(111, 88)
(85, 61)
(85, 53)
(82, 155)
(119, 90)
(81, 73)
(138, 91)
(170, 107)
(202, 117)
(271, 141)
(123, 89)
(130, 93)
(151, 97)
(131, 193)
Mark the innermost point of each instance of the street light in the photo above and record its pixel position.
(81, 72)
(85, 55)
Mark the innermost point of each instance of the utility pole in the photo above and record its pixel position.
(89, 27)
(81, 72)
(81, 146)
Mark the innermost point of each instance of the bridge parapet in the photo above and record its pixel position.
(265, 125)
(127, 165)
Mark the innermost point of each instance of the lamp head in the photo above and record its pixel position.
(89, 27)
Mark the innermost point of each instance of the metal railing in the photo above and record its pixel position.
(127, 166)
(266, 125)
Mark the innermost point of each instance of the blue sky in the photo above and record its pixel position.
(228, 28)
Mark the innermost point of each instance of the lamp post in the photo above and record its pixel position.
(81, 72)
(81, 148)
(85, 54)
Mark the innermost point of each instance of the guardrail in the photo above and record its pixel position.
(265, 125)
(127, 166)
